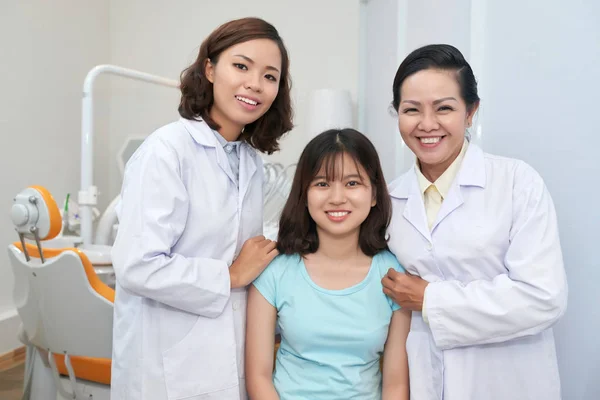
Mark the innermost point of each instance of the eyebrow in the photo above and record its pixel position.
(438, 101)
(345, 177)
(251, 61)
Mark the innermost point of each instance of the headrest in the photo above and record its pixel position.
(34, 208)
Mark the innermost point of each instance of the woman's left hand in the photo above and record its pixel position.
(405, 289)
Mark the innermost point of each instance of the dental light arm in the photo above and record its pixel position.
(88, 194)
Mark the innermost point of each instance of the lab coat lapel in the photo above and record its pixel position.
(203, 135)
(452, 201)
(223, 162)
(471, 173)
(414, 211)
(247, 168)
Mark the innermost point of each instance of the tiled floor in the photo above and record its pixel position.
(11, 383)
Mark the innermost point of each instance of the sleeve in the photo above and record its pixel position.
(528, 299)
(268, 281)
(390, 261)
(153, 214)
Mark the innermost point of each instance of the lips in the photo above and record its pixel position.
(337, 215)
(430, 141)
(248, 100)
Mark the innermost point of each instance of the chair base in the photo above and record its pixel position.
(43, 385)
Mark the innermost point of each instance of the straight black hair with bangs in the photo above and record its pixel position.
(297, 230)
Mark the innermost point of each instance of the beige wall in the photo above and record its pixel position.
(47, 49)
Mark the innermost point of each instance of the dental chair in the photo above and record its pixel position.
(66, 310)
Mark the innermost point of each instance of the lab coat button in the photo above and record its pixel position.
(429, 246)
(236, 305)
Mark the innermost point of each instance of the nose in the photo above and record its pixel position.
(337, 194)
(254, 83)
(428, 122)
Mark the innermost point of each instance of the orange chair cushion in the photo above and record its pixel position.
(100, 287)
(90, 369)
(53, 212)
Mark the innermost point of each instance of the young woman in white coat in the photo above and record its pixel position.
(478, 235)
(189, 239)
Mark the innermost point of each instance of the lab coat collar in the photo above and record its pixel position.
(471, 173)
(200, 132)
(204, 136)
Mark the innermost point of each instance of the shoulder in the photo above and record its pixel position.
(515, 174)
(384, 260)
(282, 264)
(166, 142)
(160, 151)
(400, 180)
(174, 136)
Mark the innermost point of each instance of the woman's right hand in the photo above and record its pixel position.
(256, 254)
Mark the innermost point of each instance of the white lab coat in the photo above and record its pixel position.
(178, 329)
(497, 283)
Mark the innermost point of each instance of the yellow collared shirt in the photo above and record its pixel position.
(435, 193)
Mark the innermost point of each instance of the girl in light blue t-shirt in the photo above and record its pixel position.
(324, 290)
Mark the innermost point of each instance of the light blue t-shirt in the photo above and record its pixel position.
(331, 340)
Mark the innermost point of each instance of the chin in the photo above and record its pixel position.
(430, 159)
(341, 231)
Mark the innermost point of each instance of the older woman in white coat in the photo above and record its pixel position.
(189, 239)
(478, 235)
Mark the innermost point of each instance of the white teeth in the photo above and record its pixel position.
(430, 140)
(338, 214)
(245, 100)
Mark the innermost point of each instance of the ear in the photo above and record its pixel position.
(471, 114)
(374, 200)
(209, 70)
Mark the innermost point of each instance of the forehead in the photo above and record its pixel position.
(263, 52)
(335, 166)
(430, 84)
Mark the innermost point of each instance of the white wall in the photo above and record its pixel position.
(542, 80)
(162, 38)
(47, 48)
(381, 55)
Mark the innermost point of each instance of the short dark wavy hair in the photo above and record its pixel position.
(197, 91)
(297, 230)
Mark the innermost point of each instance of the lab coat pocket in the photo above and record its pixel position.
(204, 361)
(425, 365)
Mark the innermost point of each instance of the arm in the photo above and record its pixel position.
(395, 360)
(153, 215)
(260, 345)
(529, 298)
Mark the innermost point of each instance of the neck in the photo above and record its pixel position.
(228, 129)
(433, 172)
(338, 247)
